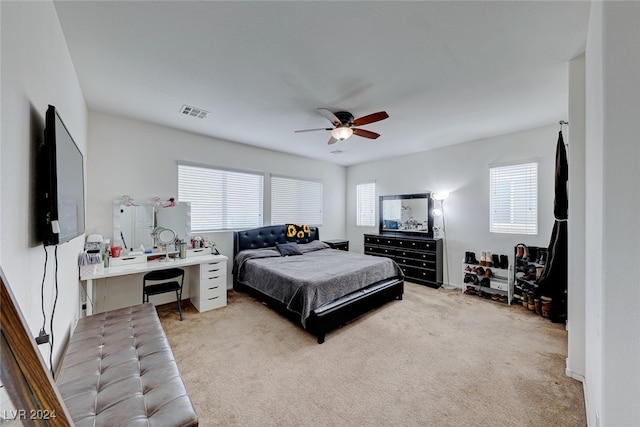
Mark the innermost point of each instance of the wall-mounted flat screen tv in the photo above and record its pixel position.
(407, 213)
(61, 182)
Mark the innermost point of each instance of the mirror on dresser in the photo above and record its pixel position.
(134, 221)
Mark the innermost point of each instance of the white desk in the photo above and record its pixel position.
(209, 285)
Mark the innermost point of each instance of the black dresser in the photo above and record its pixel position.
(420, 258)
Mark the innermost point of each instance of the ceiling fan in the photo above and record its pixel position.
(344, 123)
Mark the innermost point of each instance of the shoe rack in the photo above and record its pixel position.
(489, 277)
(529, 265)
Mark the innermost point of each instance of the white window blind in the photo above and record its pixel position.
(366, 204)
(296, 201)
(514, 199)
(221, 199)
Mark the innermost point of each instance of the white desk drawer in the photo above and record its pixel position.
(211, 270)
(198, 252)
(210, 291)
(127, 260)
(213, 302)
(213, 287)
(210, 294)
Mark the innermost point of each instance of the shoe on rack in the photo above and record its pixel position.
(488, 272)
(489, 262)
(533, 254)
(483, 258)
(530, 273)
(472, 258)
(495, 259)
(504, 261)
(542, 256)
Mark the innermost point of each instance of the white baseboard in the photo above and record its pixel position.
(568, 372)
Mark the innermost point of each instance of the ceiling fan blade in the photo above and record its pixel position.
(365, 133)
(375, 117)
(330, 116)
(312, 130)
(332, 140)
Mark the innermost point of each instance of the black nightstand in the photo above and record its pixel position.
(343, 245)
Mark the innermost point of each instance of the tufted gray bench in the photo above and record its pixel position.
(119, 370)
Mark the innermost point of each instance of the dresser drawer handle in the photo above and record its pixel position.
(213, 277)
(215, 269)
(210, 299)
(215, 287)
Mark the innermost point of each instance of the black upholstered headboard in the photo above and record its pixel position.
(265, 237)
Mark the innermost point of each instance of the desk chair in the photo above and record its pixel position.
(163, 281)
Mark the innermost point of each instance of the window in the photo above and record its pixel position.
(514, 199)
(221, 199)
(366, 204)
(296, 201)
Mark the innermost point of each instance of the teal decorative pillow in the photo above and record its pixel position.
(297, 231)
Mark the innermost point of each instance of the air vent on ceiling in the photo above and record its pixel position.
(194, 112)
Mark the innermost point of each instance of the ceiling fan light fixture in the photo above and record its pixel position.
(341, 133)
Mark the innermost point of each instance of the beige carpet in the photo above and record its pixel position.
(436, 358)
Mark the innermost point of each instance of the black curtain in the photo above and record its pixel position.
(553, 281)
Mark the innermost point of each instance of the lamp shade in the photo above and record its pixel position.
(341, 133)
(440, 195)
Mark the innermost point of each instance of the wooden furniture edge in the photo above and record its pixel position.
(23, 349)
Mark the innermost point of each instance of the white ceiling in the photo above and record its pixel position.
(446, 72)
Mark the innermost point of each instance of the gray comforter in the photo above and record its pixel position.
(306, 282)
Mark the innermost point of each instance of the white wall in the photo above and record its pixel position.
(463, 170)
(612, 221)
(36, 71)
(576, 226)
(594, 217)
(140, 159)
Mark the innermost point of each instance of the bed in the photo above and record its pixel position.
(315, 286)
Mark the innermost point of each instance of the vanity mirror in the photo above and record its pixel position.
(165, 237)
(408, 213)
(134, 222)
